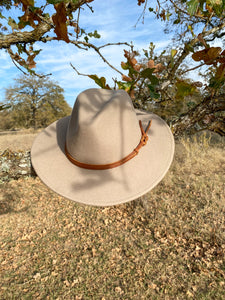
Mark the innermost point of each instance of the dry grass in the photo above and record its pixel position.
(17, 140)
(169, 245)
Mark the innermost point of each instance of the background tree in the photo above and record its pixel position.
(35, 102)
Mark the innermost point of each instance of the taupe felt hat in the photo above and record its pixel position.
(102, 154)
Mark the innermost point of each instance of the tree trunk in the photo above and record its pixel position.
(207, 108)
(34, 121)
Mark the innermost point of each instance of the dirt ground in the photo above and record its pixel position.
(18, 141)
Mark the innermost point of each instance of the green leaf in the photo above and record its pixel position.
(99, 81)
(94, 34)
(177, 21)
(168, 14)
(12, 23)
(124, 85)
(189, 48)
(37, 51)
(145, 53)
(192, 6)
(147, 73)
(173, 52)
(191, 30)
(184, 89)
(124, 66)
(152, 92)
(1, 16)
(20, 48)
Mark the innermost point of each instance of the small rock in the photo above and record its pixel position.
(22, 172)
(23, 165)
(5, 166)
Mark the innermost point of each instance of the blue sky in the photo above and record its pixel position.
(115, 22)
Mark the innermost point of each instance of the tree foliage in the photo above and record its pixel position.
(156, 82)
(34, 102)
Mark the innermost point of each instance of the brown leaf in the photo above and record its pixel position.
(220, 72)
(199, 55)
(133, 61)
(212, 54)
(222, 57)
(151, 64)
(201, 39)
(140, 2)
(158, 68)
(126, 78)
(130, 57)
(137, 67)
(30, 61)
(59, 20)
(207, 55)
(132, 94)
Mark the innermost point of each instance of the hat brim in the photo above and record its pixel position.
(103, 187)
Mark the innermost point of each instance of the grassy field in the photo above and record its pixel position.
(168, 245)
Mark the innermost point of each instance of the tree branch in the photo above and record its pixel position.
(210, 105)
(192, 69)
(186, 13)
(24, 37)
(97, 49)
(186, 51)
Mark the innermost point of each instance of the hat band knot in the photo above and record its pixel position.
(143, 142)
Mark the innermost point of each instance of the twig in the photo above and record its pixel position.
(99, 53)
(18, 66)
(115, 44)
(12, 56)
(192, 69)
(78, 18)
(78, 71)
(185, 12)
(142, 15)
(91, 9)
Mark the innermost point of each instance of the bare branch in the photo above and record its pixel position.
(91, 9)
(89, 45)
(14, 59)
(78, 71)
(192, 69)
(115, 44)
(142, 15)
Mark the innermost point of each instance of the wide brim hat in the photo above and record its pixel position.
(102, 129)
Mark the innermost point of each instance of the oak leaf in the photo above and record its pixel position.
(150, 64)
(126, 78)
(208, 55)
(137, 67)
(59, 20)
(30, 61)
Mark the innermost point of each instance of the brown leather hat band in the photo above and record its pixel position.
(143, 141)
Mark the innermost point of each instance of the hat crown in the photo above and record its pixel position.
(103, 127)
